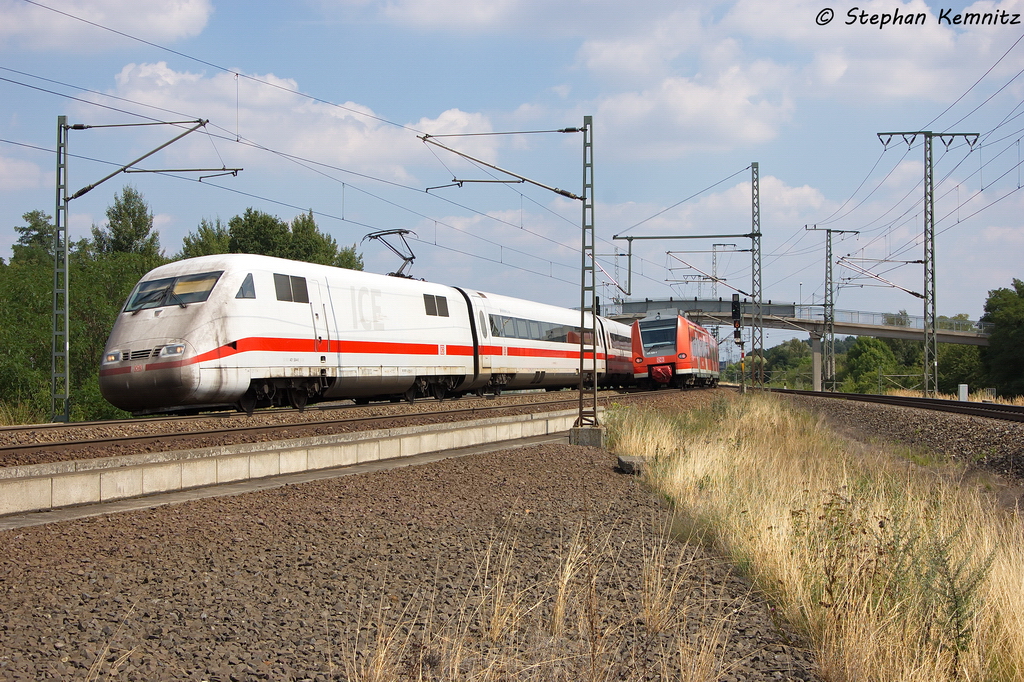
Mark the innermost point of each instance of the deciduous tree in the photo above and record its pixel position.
(35, 239)
(208, 239)
(129, 227)
(261, 233)
(866, 359)
(1002, 359)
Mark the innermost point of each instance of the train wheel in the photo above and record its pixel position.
(410, 394)
(438, 390)
(248, 402)
(297, 398)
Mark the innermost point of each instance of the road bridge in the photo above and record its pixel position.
(809, 319)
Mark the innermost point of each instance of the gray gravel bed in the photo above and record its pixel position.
(307, 582)
(989, 443)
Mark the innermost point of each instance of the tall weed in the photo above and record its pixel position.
(893, 571)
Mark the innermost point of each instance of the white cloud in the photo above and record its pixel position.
(32, 27)
(532, 17)
(16, 174)
(856, 61)
(269, 111)
(682, 115)
(451, 13)
(647, 53)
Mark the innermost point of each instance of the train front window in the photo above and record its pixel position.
(171, 291)
(659, 338)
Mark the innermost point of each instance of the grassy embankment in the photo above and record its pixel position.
(893, 571)
(975, 397)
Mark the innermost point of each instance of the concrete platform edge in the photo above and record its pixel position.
(52, 486)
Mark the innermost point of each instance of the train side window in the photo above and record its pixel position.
(291, 288)
(283, 285)
(435, 305)
(248, 289)
(483, 325)
(299, 292)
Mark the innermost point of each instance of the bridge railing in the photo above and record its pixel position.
(815, 312)
(795, 311)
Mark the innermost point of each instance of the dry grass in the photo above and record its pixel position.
(576, 627)
(976, 396)
(18, 413)
(894, 572)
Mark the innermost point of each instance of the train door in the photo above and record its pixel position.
(484, 336)
(321, 330)
(602, 348)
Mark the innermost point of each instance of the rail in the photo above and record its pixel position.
(989, 410)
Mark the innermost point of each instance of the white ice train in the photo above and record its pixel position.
(238, 330)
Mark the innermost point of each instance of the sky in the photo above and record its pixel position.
(323, 103)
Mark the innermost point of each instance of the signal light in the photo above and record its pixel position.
(737, 313)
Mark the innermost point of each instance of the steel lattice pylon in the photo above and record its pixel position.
(757, 328)
(588, 289)
(828, 368)
(931, 345)
(60, 366)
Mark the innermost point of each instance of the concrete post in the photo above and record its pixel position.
(816, 362)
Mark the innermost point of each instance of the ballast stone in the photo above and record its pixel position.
(632, 465)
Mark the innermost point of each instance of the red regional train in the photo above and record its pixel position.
(673, 351)
(246, 331)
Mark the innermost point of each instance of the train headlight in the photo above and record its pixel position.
(114, 356)
(682, 356)
(172, 350)
(639, 361)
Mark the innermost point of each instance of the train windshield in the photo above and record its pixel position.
(179, 291)
(658, 337)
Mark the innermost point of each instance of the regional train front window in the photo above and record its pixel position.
(179, 291)
(659, 338)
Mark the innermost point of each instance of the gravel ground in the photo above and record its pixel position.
(983, 444)
(442, 571)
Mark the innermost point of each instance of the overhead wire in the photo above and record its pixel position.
(303, 162)
(887, 228)
(237, 74)
(224, 69)
(968, 91)
(682, 201)
(238, 139)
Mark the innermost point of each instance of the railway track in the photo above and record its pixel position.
(989, 410)
(41, 443)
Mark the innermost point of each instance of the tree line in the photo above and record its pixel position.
(868, 365)
(102, 270)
